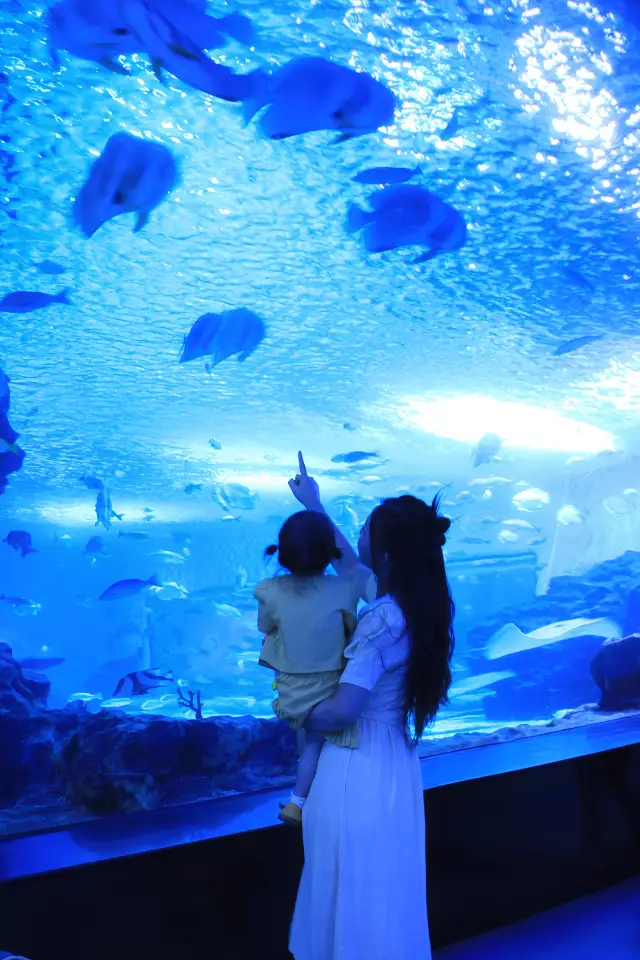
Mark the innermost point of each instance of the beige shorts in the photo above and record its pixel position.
(298, 694)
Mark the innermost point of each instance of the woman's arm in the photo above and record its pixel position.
(339, 710)
(306, 491)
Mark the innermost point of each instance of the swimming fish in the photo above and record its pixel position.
(94, 547)
(508, 536)
(130, 175)
(571, 514)
(223, 335)
(26, 301)
(104, 509)
(22, 607)
(6, 447)
(214, 444)
(40, 663)
(127, 588)
(90, 31)
(20, 540)
(133, 535)
(479, 682)
(170, 591)
(49, 267)
(138, 683)
(233, 495)
(452, 127)
(168, 556)
(530, 499)
(386, 175)
(11, 455)
(509, 639)
(193, 487)
(311, 93)
(178, 47)
(572, 345)
(487, 449)
(408, 215)
(92, 483)
(355, 456)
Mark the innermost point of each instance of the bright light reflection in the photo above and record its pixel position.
(468, 418)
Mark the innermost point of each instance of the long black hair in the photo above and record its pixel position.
(306, 544)
(407, 536)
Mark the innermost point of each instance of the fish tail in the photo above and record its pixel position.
(153, 581)
(259, 90)
(356, 218)
(239, 27)
(429, 255)
(63, 297)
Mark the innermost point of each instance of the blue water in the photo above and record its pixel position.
(539, 111)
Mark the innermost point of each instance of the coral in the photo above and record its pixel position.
(192, 701)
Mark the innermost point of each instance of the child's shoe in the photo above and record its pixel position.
(291, 813)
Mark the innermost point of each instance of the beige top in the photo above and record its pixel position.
(307, 622)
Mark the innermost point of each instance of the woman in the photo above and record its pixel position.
(362, 895)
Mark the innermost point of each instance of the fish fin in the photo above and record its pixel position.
(357, 218)
(121, 684)
(417, 172)
(259, 85)
(114, 67)
(153, 581)
(183, 52)
(239, 27)
(508, 639)
(157, 66)
(141, 220)
(63, 297)
(429, 255)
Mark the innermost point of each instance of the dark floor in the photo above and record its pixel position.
(605, 926)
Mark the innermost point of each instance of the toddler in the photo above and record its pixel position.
(308, 618)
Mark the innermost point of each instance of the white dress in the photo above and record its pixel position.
(362, 894)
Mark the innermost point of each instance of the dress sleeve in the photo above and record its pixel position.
(266, 623)
(371, 652)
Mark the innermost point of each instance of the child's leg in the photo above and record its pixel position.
(309, 747)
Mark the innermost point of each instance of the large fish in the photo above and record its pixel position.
(312, 93)
(90, 31)
(509, 639)
(407, 215)
(172, 43)
(220, 336)
(11, 455)
(131, 175)
(128, 588)
(169, 31)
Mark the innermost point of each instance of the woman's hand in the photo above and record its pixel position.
(304, 488)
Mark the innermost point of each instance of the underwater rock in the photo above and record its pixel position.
(557, 677)
(119, 763)
(26, 731)
(545, 680)
(616, 670)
